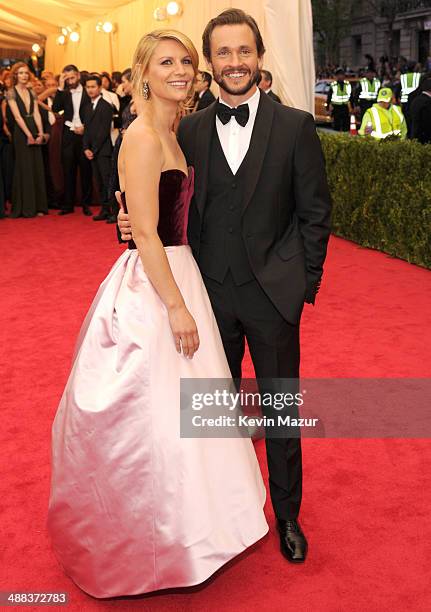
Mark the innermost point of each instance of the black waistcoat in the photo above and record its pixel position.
(222, 247)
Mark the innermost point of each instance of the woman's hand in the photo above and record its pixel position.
(39, 139)
(30, 140)
(123, 220)
(184, 329)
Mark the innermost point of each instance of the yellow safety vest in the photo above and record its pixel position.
(382, 126)
(369, 90)
(340, 95)
(409, 82)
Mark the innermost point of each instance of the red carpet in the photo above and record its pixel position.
(366, 503)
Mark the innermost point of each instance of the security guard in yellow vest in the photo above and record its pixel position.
(409, 82)
(339, 101)
(384, 119)
(366, 91)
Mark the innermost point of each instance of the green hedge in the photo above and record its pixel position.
(381, 194)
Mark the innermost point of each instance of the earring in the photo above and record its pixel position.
(145, 90)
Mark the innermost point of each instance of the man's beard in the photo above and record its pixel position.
(218, 78)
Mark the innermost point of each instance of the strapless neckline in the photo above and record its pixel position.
(176, 170)
(175, 193)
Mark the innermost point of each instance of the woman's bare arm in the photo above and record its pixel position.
(17, 116)
(37, 119)
(5, 123)
(51, 91)
(143, 158)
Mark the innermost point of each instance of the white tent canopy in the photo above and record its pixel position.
(286, 27)
(24, 22)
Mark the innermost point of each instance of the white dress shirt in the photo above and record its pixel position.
(234, 138)
(95, 101)
(114, 101)
(76, 101)
(112, 98)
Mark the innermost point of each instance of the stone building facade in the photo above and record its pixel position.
(369, 33)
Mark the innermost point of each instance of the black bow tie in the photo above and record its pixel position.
(241, 113)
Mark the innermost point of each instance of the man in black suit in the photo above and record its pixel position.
(265, 85)
(420, 113)
(205, 97)
(71, 99)
(259, 224)
(97, 140)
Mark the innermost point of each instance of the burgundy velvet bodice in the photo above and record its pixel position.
(175, 193)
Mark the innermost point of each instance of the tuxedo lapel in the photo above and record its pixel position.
(258, 145)
(85, 99)
(203, 143)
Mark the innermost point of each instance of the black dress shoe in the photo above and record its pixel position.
(86, 211)
(65, 212)
(293, 544)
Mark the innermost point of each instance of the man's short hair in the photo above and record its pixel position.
(231, 16)
(70, 67)
(267, 76)
(94, 77)
(206, 78)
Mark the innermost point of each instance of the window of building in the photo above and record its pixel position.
(393, 43)
(423, 46)
(356, 50)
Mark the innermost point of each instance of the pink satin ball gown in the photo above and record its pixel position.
(134, 507)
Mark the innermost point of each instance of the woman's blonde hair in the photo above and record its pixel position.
(145, 50)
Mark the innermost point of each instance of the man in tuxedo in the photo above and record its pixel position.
(71, 99)
(265, 85)
(205, 97)
(259, 223)
(97, 140)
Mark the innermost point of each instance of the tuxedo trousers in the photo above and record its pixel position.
(101, 165)
(72, 157)
(244, 312)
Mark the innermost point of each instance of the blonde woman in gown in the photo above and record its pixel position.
(134, 507)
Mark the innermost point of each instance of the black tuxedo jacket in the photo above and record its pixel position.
(274, 96)
(63, 102)
(420, 116)
(97, 127)
(286, 203)
(207, 99)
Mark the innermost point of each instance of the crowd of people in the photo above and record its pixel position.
(54, 128)
(60, 136)
(387, 69)
(387, 103)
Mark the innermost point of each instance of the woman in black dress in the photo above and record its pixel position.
(28, 190)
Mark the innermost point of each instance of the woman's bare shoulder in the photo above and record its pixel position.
(141, 137)
(10, 94)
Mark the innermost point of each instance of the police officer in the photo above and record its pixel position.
(384, 119)
(409, 82)
(366, 91)
(339, 101)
